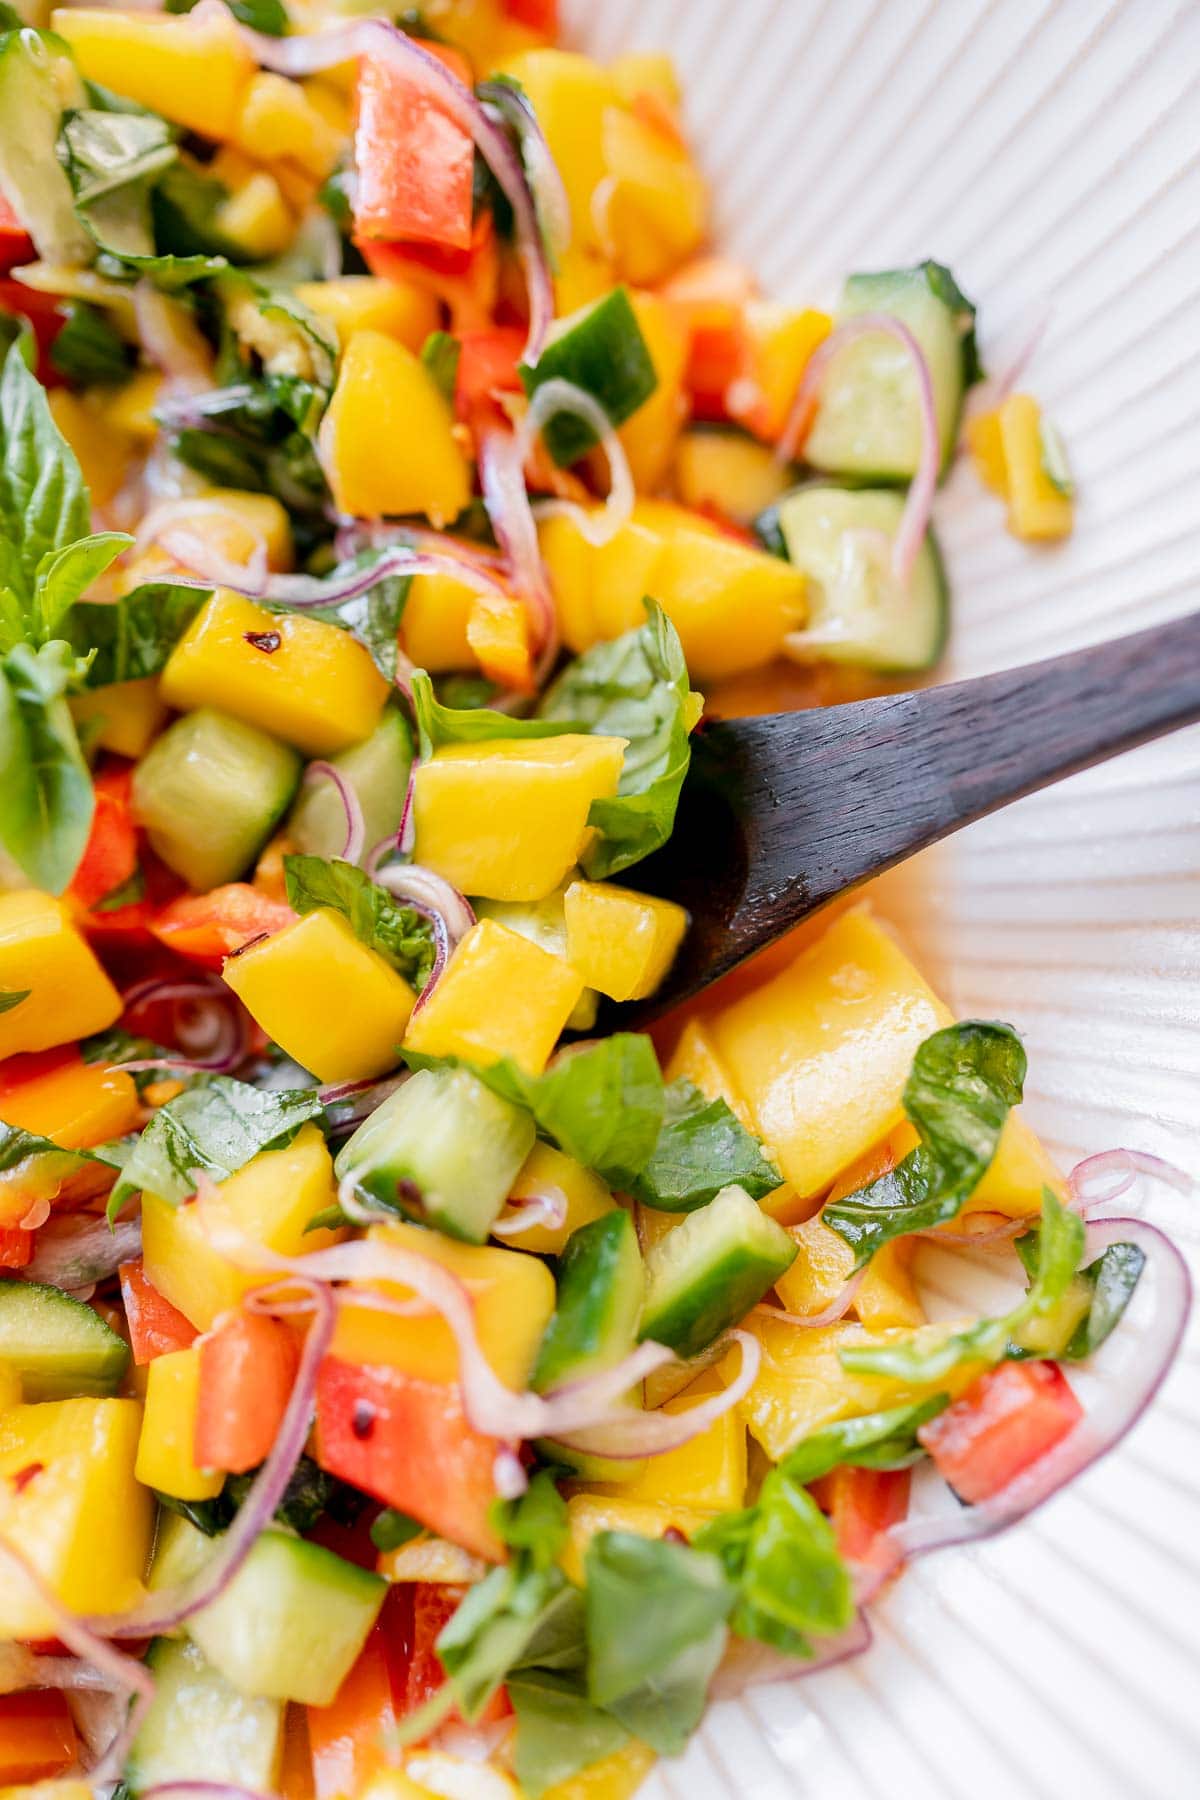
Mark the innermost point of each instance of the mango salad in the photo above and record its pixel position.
(411, 1381)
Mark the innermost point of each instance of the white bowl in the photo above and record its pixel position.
(1049, 151)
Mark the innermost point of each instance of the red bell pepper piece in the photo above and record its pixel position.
(347, 1738)
(155, 1326)
(538, 15)
(37, 1736)
(467, 280)
(16, 1247)
(434, 1605)
(406, 1441)
(206, 928)
(247, 1368)
(16, 245)
(415, 164)
(1004, 1422)
(861, 1504)
(487, 364)
(110, 857)
(44, 315)
(712, 294)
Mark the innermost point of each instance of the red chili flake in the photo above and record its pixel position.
(23, 1477)
(266, 641)
(673, 1535)
(362, 1420)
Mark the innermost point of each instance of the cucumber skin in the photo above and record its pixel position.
(377, 770)
(30, 1316)
(707, 1274)
(601, 350)
(601, 1287)
(235, 1739)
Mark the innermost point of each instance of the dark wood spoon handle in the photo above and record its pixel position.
(781, 814)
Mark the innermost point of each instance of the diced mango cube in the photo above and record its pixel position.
(637, 72)
(325, 997)
(256, 217)
(708, 1475)
(512, 1296)
(986, 444)
(131, 407)
(1038, 510)
(165, 1458)
(500, 996)
(68, 994)
(649, 436)
(622, 942)
(303, 680)
(588, 1514)
(781, 341)
(388, 439)
(194, 70)
(102, 453)
(654, 206)
(71, 1505)
(728, 471)
(548, 1173)
(433, 626)
(126, 716)
(1019, 1171)
(695, 1058)
(76, 1104)
(823, 1050)
(270, 1202)
(570, 95)
(506, 819)
(615, 1777)
(278, 120)
(367, 303)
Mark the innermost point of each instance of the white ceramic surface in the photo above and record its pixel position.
(1049, 150)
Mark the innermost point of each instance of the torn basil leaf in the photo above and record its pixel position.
(397, 933)
(702, 1147)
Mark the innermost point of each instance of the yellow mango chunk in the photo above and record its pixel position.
(823, 1050)
(1038, 511)
(887, 1295)
(130, 407)
(256, 217)
(801, 1385)
(270, 1201)
(547, 1172)
(621, 942)
(433, 627)
(986, 445)
(500, 996)
(76, 1105)
(126, 716)
(164, 1458)
(367, 303)
(102, 453)
(10, 1387)
(512, 1295)
(725, 470)
(499, 638)
(388, 440)
(615, 1777)
(646, 72)
(695, 1058)
(588, 1514)
(41, 954)
(570, 95)
(708, 1475)
(393, 1784)
(507, 819)
(317, 689)
(192, 70)
(81, 1519)
(781, 343)
(325, 997)
(654, 207)
(650, 435)
(824, 1264)
(1019, 1171)
(278, 120)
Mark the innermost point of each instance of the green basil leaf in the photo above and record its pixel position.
(397, 933)
(702, 1147)
(438, 724)
(267, 16)
(793, 1573)
(392, 1528)
(635, 687)
(882, 1440)
(1112, 1277)
(964, 1082)
(87, 350)
(218, 1125)
(46, 798)
(64, 575)
(134, 636)
(43, 500)
(440, 353)
(559, 1731)
(513, 1618)
(246, 435)
(536, 1522)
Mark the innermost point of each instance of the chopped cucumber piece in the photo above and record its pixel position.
(35, 72)
(705, 1275)
(868, 422)
(210, 791)
(180, 1552)
(200, 1728)
(291, 1622)
(377, 770)
(857, 612)
(544, 923)
(57, 1345)
(601, 1286)
(600, 349)
(444, 1149)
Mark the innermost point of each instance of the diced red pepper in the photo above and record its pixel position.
(155, 1326)
(347, 1738)
(415, 164)
(206, 928)
(862, 1504)
(247, 1369)
(37, 1736)
(434, 1605)
(110, 857)
(16, 1247)
(487, 364)
(538, 15)
(407, 1442)
(467, 281)
(16, 245)
(1004, 1422)
(712, 295)
(42, 311)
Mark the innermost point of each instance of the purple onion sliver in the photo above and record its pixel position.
(632, 1435)
(502, 478)
(829, 1315)
(425, 889)
(76, 1250)
(508, 1473)
(356, 831)
(548, 1210)
(1126, 1165)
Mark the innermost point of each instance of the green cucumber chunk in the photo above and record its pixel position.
(601, 1287)
(292, 1621)
(600, 349)
(58, 1346)
(377, 771)
(443, 1149)
(181, 1550)
(857, 612)
(868, 421)
(200, 1728)
(544, 923)
(705, 1275)
(210, 791)
(32, 66)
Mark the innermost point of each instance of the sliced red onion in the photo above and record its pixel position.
(986, 395)
(164, 1611)
(356, 831)
(219, 1030)
(424, 890)
(837, 1309)
(541, 171)
(36, 1217)
(22, 1669)
(112, 1666)
(170, 339)
(374, 39)
(348, 1103)
(502, 478)
(917, 507)
(597, 525)
(303, 593)
(636, 1434)
(548, 1209)
(508, 1473)
(1003, 1231)
(74, 1252)
(1123, 1168)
